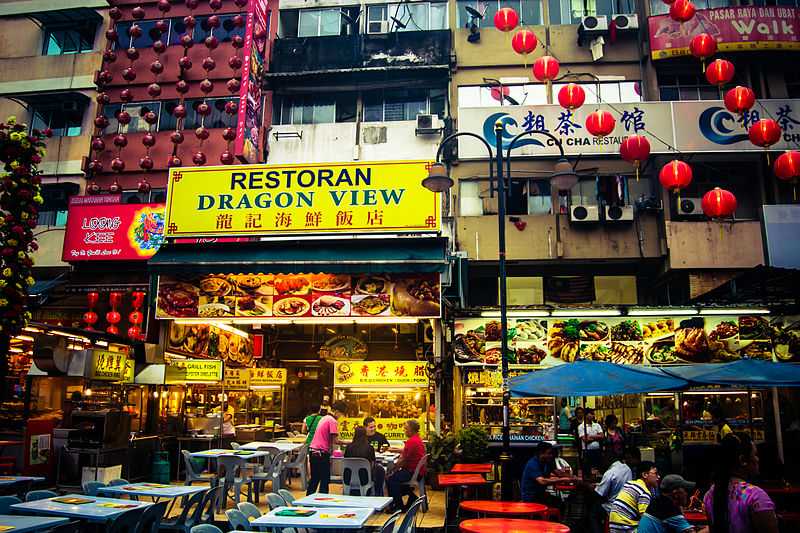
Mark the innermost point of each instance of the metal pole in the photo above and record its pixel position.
(776, 409)
(505, 455)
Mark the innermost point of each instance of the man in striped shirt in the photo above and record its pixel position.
(632, 501)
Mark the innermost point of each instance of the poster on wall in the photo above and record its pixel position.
(540, 343)
(251, 96)
(211, 342)
(299, 295)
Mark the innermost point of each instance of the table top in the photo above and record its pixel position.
(326, 518)
(11, 443)
(282, 446)
(452, 480)
(217, 452)
(21, 524)
(510, 525)
(8, 480)
(152, 490)
(503, 508)
(95, 509)
(471, 468)
(378, 503)
(782, 490)
(695, 517)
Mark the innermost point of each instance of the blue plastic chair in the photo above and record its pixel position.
(287, 496)
(6, 502)
(274, 500)
(126, 522)
(150, 521)
(388, 526)
(34, 495)
(205, 528)
(190, 515)
(117, 482)
(90, 488)
(409, 524)
(249, 510)
(238, 520)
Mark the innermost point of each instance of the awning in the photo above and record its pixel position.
(43, 287)
(742, 373)
(72, 15)
(365, 256)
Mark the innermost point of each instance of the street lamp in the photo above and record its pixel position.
(438, 180)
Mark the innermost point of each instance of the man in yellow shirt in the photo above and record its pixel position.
(632, 501)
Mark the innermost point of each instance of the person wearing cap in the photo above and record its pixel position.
(664, 513)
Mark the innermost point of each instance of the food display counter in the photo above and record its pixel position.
(392, 392)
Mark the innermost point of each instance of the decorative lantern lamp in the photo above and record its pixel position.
(739, 99)
(682, 11)
(718, 203)
(635, 149)
(524, 42)
(720, 72)
(506, 19)
(571, 96)
(600, 123)
(702, 46)
(764, 132)
(675, 175)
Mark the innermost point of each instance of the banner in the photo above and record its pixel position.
(699, 126)
(108, 366)
(298, 295)
(380, 373)
(100, 228)
(391, 428)
(192, 371)
(313, 198)
(266, 377)
(251, 97)
(734, 28)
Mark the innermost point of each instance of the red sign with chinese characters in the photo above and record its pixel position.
(100, 228)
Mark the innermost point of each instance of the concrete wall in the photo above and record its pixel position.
(714, 245)
(51, 244)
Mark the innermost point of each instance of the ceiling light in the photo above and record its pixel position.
(517, 313)
(585, 312)
(734, 311)
(662, 312)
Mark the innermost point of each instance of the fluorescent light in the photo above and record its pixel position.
(231, 329)
(387, 389)
(26, 338)
(15, 350)
(101, 343)
(715, 393)
(734, 311)
(301, 320)
(586, 312)
(265, 387)
(662, 312)
(517, 313)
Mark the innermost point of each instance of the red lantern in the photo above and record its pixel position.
(112, 330)
(703, 46)
(113, 317)
(720, 72)
(545, 68)
(764, 133)
(134, 332)
(506, 19)
(138, 299)
(675, 175)
(635, 149)
(682, 10)
(499, 93)
(739, 99)
(524, 42)
(718, 203)
(600, 123)
(787, 166)
(92, 298)
(571, 96)
(90, 317)
(115, 298)
(136, 317)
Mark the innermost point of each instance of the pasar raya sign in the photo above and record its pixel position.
(100, 228)
(316, 198)
(387, 373)
(734, 28)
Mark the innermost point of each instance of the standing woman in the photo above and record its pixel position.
(733, 505)
(615, 439)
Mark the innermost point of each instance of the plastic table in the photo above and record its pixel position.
(318, 499)
(503, 508)
(457, 480)
(472, 468)
(95, 510)
(153, 490)
(217, 453)
(281, 446)
(23, 524)
(10, 480)
(696, 518)
(507, 525)
(322, 518)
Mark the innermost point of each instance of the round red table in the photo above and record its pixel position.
(453, 480)
(503, 508)
(471, 468)
(696, 518)
(509, 525)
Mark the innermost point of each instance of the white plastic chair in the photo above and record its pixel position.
(419, 481)
(300, 465)
(351, 476)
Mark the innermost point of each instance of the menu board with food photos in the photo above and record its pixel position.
(208, 341)
(539, 342)
(299, 295)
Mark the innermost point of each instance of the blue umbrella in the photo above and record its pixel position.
(744, 373)
(594, 378)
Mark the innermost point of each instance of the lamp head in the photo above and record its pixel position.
(564, 177)
(438, 179)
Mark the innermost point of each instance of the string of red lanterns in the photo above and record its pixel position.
(571, 96)
(739, 99)
(635, 149)
(600, 123)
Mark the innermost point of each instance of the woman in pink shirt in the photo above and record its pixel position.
(326, 436)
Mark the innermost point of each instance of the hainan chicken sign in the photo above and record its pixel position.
(377, 197)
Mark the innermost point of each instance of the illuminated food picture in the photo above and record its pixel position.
(178, 299)
(328, 305)
(250, 306)
(371, 305)
(563, 340)
(626, 330)
(416, 297)
(658, 328)
(292, 285)
(754, 327)
(216, 286)
(592, 330)
(531, 330)
(787, 341)
(291, 307)
(531, 355)
(331, 283)
(372, 285)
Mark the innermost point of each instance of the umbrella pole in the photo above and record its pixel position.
(750, 409)
(582, 449)
(776, 408)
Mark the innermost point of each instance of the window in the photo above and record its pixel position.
(738, 179)
(74, 39)
(792, 78)
(402, 104)
(145, 40)
(316, 109)
(218, 118)
(613, 92)
(224, 33)
(571, 11)
(675, 87)
(321, 22)
(419, 16)
(63, 117)
(136, 110)
(787, 3)
(155, 196)
(526, 197)
(609, 190)
(530, 11)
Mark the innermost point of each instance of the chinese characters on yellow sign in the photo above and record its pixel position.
(392, 428)
(262, 377)
(710, 437)
(386, 373)
(237, 378)
(193, 371)
(272, 199)
(108, 366)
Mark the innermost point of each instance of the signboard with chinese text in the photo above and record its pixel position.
(251, 97)
(130, 366)
(705, 436)
(108, 366)
(359, 197)
(237, 378)
(266, 377)
(193, 371)
(701, 126)
(736, 29)
(391, 428)
(380, 373)
(289, 296)
(100, 228)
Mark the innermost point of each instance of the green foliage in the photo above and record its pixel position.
(442, 449)
(474, 444)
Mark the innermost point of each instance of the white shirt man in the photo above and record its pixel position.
(592, 430)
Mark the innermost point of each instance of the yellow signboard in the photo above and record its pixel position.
(107, 366)
(381, 373)
(392, 428)
(312, 198)
(237, 378)
(129, 371)
(263, 377)
(193, 371)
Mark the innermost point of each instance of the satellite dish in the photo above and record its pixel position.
(474, 13)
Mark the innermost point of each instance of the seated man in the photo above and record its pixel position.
(634, 498)
(664, 513)
(537, 477)
(413, 452)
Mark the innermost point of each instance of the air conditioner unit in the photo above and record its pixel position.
(584, 213)
(626, 21)
(595, 24)
(617, 213)
(690, 207)
(428, 124)
(378, 26)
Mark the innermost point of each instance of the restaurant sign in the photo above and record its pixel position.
(108, 366)
(380, 373)
(266, 377)
(193, 371)
(391, 428)
(237, 378)
(385, 197)
(100, 228)
(736, 29)
(130, 366)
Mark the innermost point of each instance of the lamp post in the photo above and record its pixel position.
(439, 180)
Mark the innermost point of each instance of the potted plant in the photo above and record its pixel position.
(441, 452)
(474, 444)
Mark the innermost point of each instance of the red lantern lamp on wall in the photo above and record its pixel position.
(546, 68)
(682, 11)
(675, 175)
(720, 72)
(787, 168)
(702, 46)
(739, 99)
(524, 42)
(719, 203)
(90, 317)
(571, 96)
(600, 123)
(635, 149)
(764, 132)
(506, 19)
